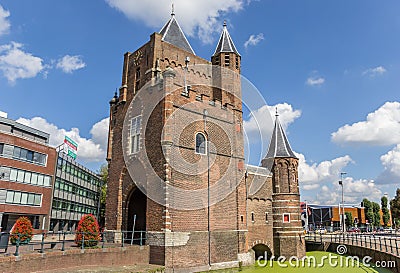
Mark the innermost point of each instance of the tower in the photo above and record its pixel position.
(283, 164)
(175, 152)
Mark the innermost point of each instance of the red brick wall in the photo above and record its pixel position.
(130, 255)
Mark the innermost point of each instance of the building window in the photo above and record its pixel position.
(21, 176)
(23, 198)
(29, 156)
(252, 217)
(241, 218)
(135, 134)
(266, 217)
(201, 144)
(237, 62)
(286, 218)
(1, 148)
(227, 59)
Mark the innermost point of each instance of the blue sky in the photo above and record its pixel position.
(331, 67)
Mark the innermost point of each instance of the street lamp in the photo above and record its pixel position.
(342, 217)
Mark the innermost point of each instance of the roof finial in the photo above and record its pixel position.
(224, 23)
(173, 10)
(276, 112)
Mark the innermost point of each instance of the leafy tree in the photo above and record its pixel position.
(377, 216)
(395, 207)
(349, 219)
(103, 172)
(385, 211)
(88, 230)
(22, 230)
(369, 213)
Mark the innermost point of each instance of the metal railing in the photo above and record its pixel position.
(63, 240)
(388, 243)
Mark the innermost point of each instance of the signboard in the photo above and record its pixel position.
(70, 147)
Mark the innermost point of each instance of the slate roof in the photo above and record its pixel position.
(173, 34)
(279, 145)
(225, 43)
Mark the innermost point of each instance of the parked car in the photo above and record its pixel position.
(320, 230)
(353, 229)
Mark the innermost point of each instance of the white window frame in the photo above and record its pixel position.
(134, 136)
(205, 144)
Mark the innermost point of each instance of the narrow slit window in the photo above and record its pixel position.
(201, 144)
(252, 216)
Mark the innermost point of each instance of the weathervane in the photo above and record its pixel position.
(173, 10)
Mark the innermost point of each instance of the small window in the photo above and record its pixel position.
(266, 217)
(286, 218)
(1, 148)
(200, 144)
(135, 134)
(227, 59)
(241, 218)
(252, 217)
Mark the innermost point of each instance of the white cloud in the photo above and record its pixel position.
(254, 40)
(17, 64)
(4, 23)
(381, 127)
(315, 81)
(391, 164)
(258, 124)
(376, 71)
(201, 18)
(322, 172)
(68, 63)
(89, 150)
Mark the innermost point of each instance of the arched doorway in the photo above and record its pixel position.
(137, 216)
(262, 252)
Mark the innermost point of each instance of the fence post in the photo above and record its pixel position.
(63, 242)
(17, 245)
(391, 245)
(83, 240)
(374, 242)
(123, 239)
(386, 248)
(397, 248)
(42, 244)
(103, 237)
(380, 244)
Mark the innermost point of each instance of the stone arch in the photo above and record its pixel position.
(261, 249)
(135, 212)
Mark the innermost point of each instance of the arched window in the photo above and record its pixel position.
(201, 144)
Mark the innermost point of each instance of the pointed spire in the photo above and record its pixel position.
(279, 145)
(173, 34)
(225, 43)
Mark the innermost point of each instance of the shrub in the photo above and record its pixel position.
(88, 229)
(22, 229)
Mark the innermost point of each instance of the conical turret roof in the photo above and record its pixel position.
(173, 34)
(279, 145)
(225, 43)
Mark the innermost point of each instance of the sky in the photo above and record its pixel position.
(332, 68)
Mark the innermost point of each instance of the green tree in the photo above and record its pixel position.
(349, 219)
(377, 215)
(385, 211)
(103, 172)
(369, 213)
(395, 208)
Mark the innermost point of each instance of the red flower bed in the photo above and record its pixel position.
(88, 231)
(22, 230)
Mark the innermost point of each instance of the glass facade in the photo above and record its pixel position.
(76, 193)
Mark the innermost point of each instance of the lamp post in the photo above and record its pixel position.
(342, 217)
